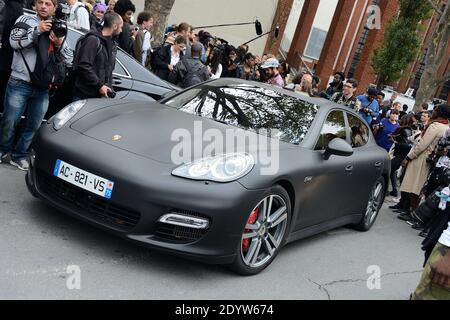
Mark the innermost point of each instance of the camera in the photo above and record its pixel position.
(442, 149)
(59, 28)
(111, 94)
(59, 25)
(444, 143)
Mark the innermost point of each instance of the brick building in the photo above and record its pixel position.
(337, 35)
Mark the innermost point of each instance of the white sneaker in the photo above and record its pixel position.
(21, 164)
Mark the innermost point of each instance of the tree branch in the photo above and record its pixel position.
(435, 6)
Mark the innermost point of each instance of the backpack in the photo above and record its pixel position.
(137, 50)
(192, 77)
(2, 19)
(76, 53)
(50, 69)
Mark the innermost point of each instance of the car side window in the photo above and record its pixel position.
(118, 69)
(334, 127)
(359, 132)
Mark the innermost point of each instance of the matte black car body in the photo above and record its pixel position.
(323, 194)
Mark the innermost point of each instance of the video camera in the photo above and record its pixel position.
(59, 24)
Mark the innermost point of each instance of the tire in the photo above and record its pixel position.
(374, 204)
(261, 243)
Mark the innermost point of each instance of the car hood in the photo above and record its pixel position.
(155, 131)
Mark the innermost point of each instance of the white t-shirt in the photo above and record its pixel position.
(79, 16)
(218, 72)
(445, 237)
(175, 57)
(145, 46)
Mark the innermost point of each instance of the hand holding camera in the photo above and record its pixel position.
(56, 41)
(44, 26)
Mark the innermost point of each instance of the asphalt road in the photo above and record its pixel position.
(38, 244)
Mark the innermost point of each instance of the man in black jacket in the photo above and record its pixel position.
(13, 10)
(190, 71)
(95, 60)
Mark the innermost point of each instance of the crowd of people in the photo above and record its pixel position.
(34, 56)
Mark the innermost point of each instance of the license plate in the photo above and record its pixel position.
(83, 179)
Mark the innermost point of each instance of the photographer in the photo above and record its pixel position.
(13, 9)
(39, 60)
(369, 105)
(95, 58)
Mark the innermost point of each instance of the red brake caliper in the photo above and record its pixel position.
(251, 220)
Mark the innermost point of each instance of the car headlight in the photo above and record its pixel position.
(220, 168)
(67, 113)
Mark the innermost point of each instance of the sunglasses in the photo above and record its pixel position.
(100, 11)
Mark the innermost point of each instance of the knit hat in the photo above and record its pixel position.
(100, 6)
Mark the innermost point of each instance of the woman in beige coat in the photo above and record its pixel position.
(417, 168)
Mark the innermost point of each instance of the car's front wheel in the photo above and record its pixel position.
(264, 233)
(374, 205)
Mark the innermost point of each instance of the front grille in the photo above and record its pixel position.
(179, 234)
(86, 203)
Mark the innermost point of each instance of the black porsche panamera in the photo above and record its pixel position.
(111, 164)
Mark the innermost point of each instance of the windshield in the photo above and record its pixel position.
(249, 107)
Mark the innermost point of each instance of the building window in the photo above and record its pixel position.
(315, 43)
(359, 48)
(419, 73)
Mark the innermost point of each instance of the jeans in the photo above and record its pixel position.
(20, 97)
(396, 163)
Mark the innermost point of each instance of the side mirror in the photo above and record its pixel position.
(338, 147)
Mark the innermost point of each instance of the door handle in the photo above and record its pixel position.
(378, 164)
(349, 168)
(117, 80)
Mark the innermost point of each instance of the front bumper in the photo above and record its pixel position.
(144, 190)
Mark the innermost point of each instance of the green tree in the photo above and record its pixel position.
(401, 41)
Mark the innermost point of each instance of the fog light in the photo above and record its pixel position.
(184, 221)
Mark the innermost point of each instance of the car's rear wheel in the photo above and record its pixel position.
(374, 205)
(264, 233)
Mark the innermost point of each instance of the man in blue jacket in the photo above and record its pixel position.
(369, 105)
